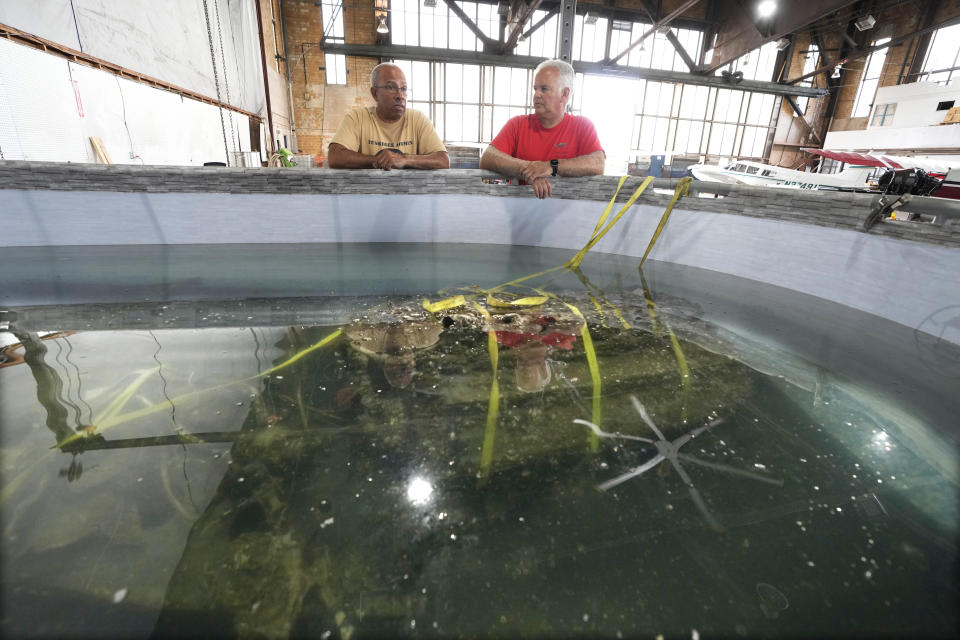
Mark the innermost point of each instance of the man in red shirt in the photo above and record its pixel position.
(549, 142)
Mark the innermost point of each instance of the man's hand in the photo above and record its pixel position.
(536, 169)
(386, 160)
(542, 187)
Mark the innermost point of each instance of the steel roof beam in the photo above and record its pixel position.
(478, 57)
(741, 33)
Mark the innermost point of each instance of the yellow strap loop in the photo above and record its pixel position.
(443, 305)
(528, 301)
(683, 188)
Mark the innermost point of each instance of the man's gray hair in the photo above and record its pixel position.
(374, 75)
(565, 73)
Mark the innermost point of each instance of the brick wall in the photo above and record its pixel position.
(319, 107)
(794, 132)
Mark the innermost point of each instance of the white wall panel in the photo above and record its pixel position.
(168, 41)
(50, 19)
(40, 118)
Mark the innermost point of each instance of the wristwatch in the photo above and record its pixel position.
(555, 165)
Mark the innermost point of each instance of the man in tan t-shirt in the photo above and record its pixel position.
(387, 136)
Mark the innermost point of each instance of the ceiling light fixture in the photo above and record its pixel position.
(866, 22)
(766, 8)
(430, 3)
(836, 71)
(382, 23)
(590, 18)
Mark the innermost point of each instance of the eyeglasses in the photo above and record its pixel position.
(392, 88)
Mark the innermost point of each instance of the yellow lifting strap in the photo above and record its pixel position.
(524, 301)
(317, 345)
(594, 365)
(683, 188)
(493, 405)
(655, 324)
(599, 232)
(599, 299)
(111, 417)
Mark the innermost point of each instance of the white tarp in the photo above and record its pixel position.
(50, 107)
(165, 40)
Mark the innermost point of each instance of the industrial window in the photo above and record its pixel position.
(655, 52)
(335, 65)
(467, 103)
(414, 24)
(810, 63)
(883, 114)
(681, 119)
(757, 64)
(869, 79)
(542, 43)
(943, 56)
(332, 13)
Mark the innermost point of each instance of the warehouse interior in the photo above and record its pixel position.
(709, 393)
(690, 80)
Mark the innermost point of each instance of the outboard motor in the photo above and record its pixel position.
(913, 181)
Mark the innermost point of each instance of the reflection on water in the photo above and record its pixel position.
(408, 472)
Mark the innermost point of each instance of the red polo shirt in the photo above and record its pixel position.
(525, 138)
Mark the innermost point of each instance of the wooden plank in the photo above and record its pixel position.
(99, 150)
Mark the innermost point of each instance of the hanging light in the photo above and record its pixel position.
(766, 8)
(380, 8)
(836, 71)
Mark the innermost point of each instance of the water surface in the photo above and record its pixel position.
(281, 441)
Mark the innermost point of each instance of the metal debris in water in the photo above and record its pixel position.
(670, 450)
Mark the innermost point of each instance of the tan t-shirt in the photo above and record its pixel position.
(362, 131)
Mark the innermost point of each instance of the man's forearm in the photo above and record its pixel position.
(588, 165)
(435, 160)
(495, 160)
(339, 157)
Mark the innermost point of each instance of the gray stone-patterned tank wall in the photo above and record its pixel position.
(824, 208)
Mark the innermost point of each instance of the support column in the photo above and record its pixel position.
(568, 15)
